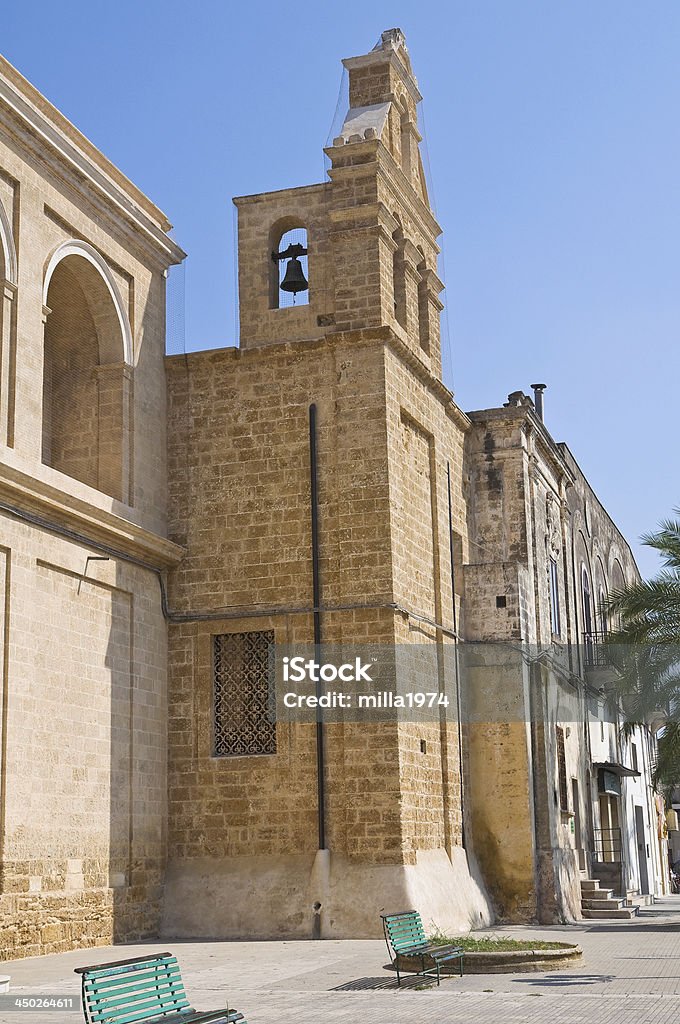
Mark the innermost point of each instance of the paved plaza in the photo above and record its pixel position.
(630, 974)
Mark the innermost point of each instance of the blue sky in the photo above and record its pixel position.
(553, 139)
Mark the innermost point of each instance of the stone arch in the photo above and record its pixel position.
(617, 578)
(583, 564)
(8, 289)
(405, 144)
(76, 248)
(87, 376)
(601, 593)
(7, 248)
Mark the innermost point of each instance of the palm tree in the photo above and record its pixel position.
(646, 648)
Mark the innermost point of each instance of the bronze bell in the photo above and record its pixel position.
(294, 279)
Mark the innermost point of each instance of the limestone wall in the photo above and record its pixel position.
(239, 483)
(82, 476)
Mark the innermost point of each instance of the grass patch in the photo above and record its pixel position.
(493, 944)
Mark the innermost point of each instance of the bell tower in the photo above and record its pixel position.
(371, 237)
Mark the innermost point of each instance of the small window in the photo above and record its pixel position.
(399, 277)
(554, 580)
(243, 694)
(562, 769)
(423, 308)
(634, 756)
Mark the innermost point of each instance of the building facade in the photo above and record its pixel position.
(544, 560)
(165, 523)
(83, 509)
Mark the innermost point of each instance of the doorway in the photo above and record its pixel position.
(642, 849)
(578, 838)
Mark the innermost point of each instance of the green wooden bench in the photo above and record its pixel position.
(404, 936)
(144, 990)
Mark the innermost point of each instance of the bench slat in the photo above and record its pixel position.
(127, 1007)
(121, 966)
(137, 1013)
(160, 997)
(405, 933)
(150, 985)
(197, 1017)
(139, 977)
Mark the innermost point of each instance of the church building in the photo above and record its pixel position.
(169, 522)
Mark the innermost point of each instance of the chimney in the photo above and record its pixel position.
(538, 390)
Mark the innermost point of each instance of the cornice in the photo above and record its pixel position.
(39, 127)
(363, 336)
(33, 496)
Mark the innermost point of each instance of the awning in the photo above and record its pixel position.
(617, 769)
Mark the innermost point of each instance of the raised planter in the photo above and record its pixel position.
(504, 961)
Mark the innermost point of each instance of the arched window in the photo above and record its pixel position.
(289, 276)
(406, 159)
(8, 277)
(8, 258)
(423, 307)
(399, 276)
(587, 602)
(86, 372)
(617, 582)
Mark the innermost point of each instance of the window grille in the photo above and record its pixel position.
(562, 769)
(243, 694)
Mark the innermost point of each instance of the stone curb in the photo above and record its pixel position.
(509, 961)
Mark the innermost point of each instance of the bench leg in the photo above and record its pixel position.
(396, 964)
(460, 961)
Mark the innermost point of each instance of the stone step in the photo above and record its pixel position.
(625, 914)
(590, 883)
(639, 901)
(597, 894)
(610, 904)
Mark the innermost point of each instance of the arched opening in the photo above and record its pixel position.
(86, 372)
(586, 596)
(399, 276)
(8, 257)
(618, 583)
(405, 146)
(423, 306)
(8, 278)
(285, 273)
(602, 618)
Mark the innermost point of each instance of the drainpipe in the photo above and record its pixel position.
(316, 590)
(456, 662)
